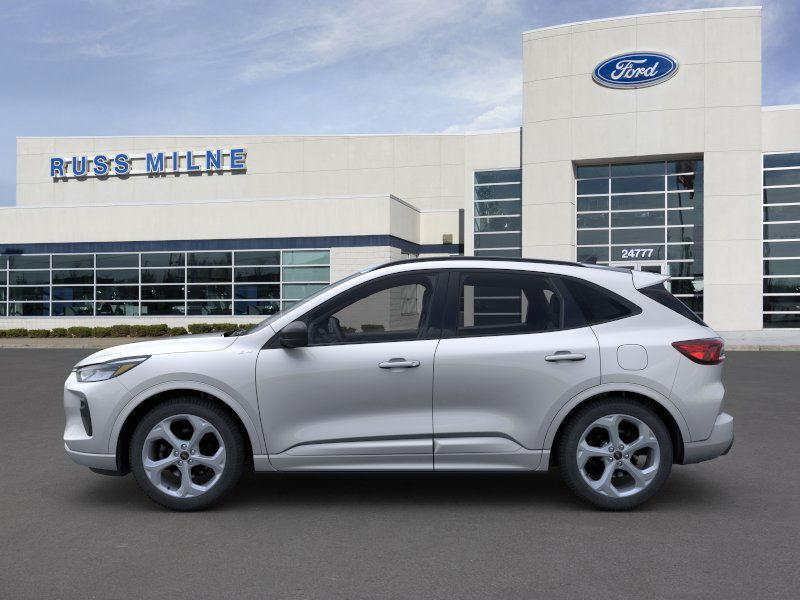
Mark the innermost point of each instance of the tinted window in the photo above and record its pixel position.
(660, 294)
(492, 303)
(599, 305)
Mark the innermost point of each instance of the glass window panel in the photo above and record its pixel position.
(782, 285)
(684, 217)
(117, 292)
(306, 257)
(258, 258)
(680, 252)
(637, 236)
(209, 259)
(684, 166)
(782, 231)
(257, 273)
(513, 253)
(637, 202)
(498, 224)
(782, 213)
(117, 309)
(297, 291)
(256, 308)
(113, 261)
(685, 199)
(118, 276)
(776, 321)
(684, 182)
(162, 309)
(637, 219)
(162, 292)
(255, 291)
(778, 249)
(2, 294)
(2, 277)
(509, 207)
(163, 276)
(695, 304)
(83, 292)
(208, 292)
(592, 186)
(648, 168)
(29, 262)
(73, 309)
(598, 253)
(782, 303)
(789, 159)
(680, 234)
(589, 237)
(498, 176)
(209, 275)
(782, 195)
(221, 307)
(788, 177)
(639, 252)
(593, 203)
(3, 262)
(29, 293)
(28, 309)
(73, 277)
(29, 277)
(163, 259)
(498, 240)
(306, 274)
(681, 269)
(637, 184)
(498, 192)
(685, 286)
(782, 267)
(3, 308)
(593, 220)
(588, 171)
(73, 261)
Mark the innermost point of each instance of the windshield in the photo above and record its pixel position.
(274, 317)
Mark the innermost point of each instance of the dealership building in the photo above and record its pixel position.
(643, 144)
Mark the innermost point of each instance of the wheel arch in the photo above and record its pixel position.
(135, 410)
(669, 414)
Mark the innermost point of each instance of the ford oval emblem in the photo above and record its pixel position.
(635, 70)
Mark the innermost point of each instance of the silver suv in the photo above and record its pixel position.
(437, 364)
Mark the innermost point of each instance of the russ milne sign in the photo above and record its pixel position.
(151, 163)
(635, 70)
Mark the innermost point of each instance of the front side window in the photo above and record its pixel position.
(393, 309)
(494, 303)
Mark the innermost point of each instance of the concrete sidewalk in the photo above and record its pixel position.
(768, 339)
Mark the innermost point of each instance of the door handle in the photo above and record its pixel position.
(398, 363)
(565, 355)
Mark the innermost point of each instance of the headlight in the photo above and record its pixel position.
(107, 370)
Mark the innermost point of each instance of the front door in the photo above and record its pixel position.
(509, 358)
(649, 266)
(359, 396)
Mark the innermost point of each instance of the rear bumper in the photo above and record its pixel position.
(717, 444)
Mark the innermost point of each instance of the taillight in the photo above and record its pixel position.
(703, 352)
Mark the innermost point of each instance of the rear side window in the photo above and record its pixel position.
(661, 294)
(598, 304)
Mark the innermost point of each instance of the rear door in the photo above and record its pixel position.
(514, 350)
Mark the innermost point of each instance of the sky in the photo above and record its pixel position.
(161, 67)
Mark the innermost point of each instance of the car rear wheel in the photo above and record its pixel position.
(187, 453)
(615, 453)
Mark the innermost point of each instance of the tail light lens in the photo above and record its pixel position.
(703, 352)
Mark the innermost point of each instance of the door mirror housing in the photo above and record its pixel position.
(294, 335)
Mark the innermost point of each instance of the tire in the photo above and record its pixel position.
(187, 435)
(618, 479)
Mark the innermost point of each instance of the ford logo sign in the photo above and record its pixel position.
(635, 70)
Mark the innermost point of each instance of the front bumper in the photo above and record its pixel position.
(717, 444)
(99, 462)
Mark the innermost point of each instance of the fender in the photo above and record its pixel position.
(552, 428)
(254, 433)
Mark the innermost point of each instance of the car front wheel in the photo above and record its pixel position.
(615, 453)
(187, 453)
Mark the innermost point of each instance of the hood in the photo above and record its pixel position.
(207, 342)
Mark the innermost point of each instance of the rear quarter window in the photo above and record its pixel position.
(598, 304)
(661, 294)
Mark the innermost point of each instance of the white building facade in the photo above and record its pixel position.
(663, 160)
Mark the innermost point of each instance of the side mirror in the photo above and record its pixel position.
(294, 335)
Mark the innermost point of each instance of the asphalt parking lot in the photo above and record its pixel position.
(729, 528)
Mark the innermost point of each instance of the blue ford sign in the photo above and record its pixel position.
(635, 70)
